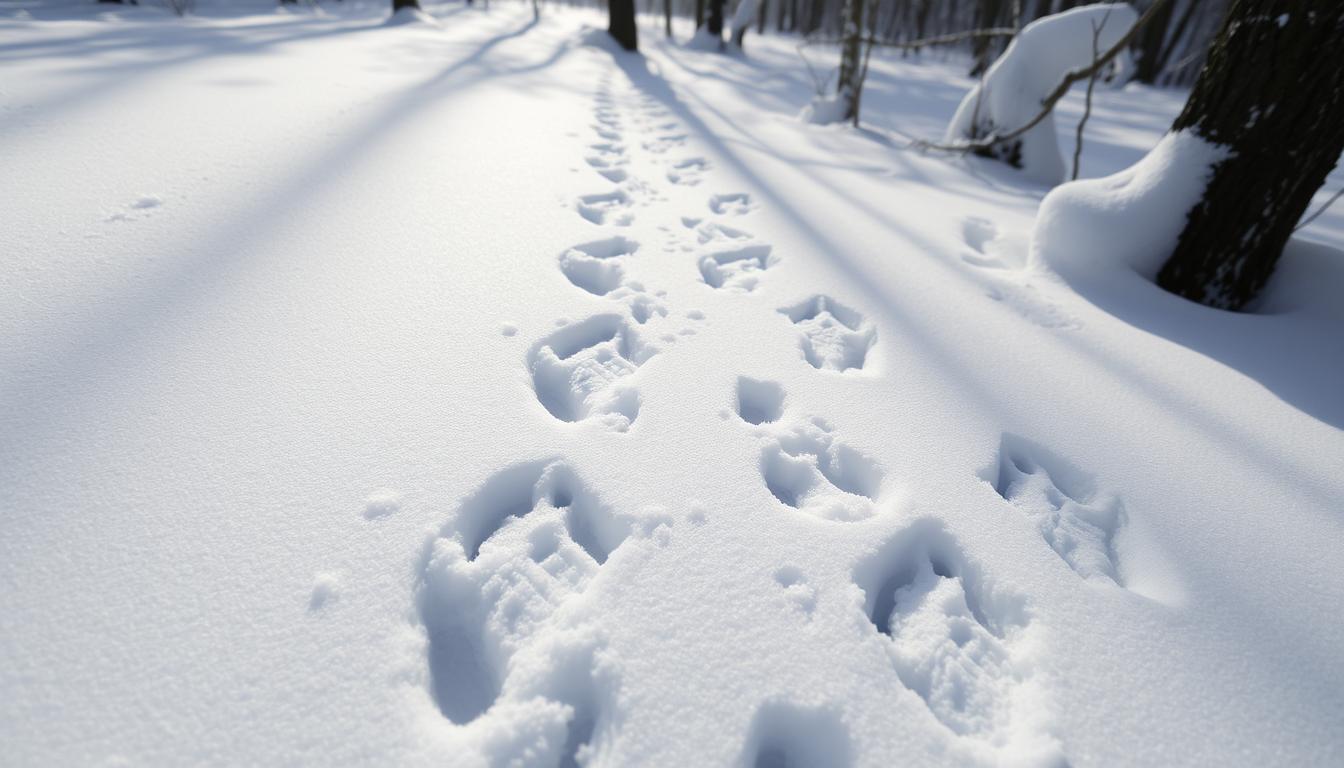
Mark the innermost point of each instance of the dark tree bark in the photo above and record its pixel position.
(397, 5)
(849, 86)
(982, 48)
(1272, 92)
(621, 23)
(667, 17)
(715, 21)
(699, 13)
(760, 17)
(1152, 40)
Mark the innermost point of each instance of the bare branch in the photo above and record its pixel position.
(1048, 104)
(912, 45)
(1320, 210)
(1087, 103)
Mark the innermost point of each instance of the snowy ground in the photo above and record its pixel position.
(805, 465)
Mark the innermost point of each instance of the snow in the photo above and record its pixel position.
(398, 432)
(1130, 218)
(1034, 64)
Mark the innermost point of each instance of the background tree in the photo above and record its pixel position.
(397, 5)
(1272, 92)
(620, 23)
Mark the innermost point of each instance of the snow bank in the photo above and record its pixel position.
(1034, 64)
(1131, 218)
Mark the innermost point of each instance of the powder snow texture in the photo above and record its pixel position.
(369, 446)
(1131, 218)
(1018, 82)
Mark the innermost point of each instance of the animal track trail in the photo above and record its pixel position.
(808, 469)
(581, 371)
(951, 636)
(530, 538)
(1079, 524)
(833, 336)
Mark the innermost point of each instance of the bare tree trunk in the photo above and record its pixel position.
(760, 17)
(850, 84)
(621, 23)
(667, 16)
(715, 21)
(699, 13)
(397, 5)
(1272, 92)
(1151, 42)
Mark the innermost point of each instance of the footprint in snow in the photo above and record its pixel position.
(598, 267)
(1079, 523)
(807, 469)
(735, 203)
(952, 637)
(606, 208)
(687, 172)
(833, 336)
(582, 370)
(531, 538)
(785, 734)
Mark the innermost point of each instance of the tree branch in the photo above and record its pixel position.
(1048, 104)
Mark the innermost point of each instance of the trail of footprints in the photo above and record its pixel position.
(534, 535)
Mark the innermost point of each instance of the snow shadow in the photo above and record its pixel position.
(1289, 342)
(784, 735)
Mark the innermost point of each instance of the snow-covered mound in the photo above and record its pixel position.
(1131, 218)
(1013, 89)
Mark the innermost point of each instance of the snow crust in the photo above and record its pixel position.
(1012, 91)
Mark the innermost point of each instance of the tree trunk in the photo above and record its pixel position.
(982, 48)
(397, 5)
(850, 84)
(667, 16)
(621, 23)
(715, 22)
(760, 17)
(1272, 92)
(699, 13)
(1152, 39)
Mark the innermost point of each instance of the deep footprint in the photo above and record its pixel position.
(578, 372)
(834, 337)
(1079, 524)
(596, 267)
(809, 470)
(606, 208)
(486, 582)
(950, 635)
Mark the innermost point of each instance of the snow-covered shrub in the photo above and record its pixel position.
(1014, 88)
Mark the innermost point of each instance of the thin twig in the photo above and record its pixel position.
(1320, 210)
(1087, 103)
(1048, 103)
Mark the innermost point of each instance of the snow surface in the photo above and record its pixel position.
(474, 393)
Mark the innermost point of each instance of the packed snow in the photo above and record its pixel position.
(468, 392)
